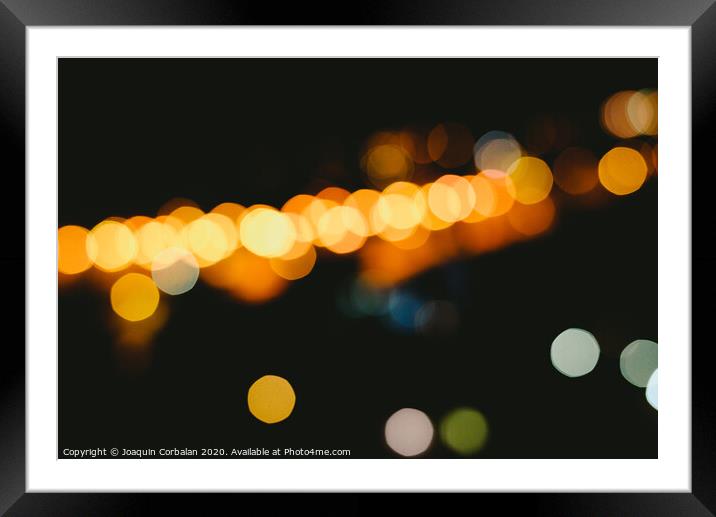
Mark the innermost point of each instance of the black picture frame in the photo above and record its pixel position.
(17, 15)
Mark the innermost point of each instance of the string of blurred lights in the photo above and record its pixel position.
(509, 196)
(408, 222)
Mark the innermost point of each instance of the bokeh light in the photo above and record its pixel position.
(336, 194)
(267, 232)
(652, 389)
(331, 228)
(231, 210)
(622, 171)
(496, 150)
(532, 179)
(398, 209)
(175, 224)
(134, 297)
(403, 307)
(295, 267)
(638, 361)
(364, 201)
(354, 222)
(111, 245)
(297, 204)
(304, 236)
(271, 399)
(643, 148)
(342, 229)
(348, 244)
(642, 112)
(417, 237)
(409, 432)
(430, 221)
(175, 270)
(211, 238)
(575, 352)
(615, 118)
(312, 209)
(154, 237)
(530, 220)
(494, 193)
(451, 198)
(229, 231)
(575, 170)
(386, 163)
(136, 222)
(187, 213)
(72, 257)
(464, 430)
(630, 113)
(246, 276)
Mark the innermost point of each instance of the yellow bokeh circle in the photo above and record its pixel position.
(271, 399)
(72, 250)
(111, 245)
(134, 297)
(387, 163)
(295, 267)
(531, 178)
(622, 171)
(267, 232)
(451, 198)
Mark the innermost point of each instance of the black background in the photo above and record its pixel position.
(135, 133)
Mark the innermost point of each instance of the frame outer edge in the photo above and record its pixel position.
(12, 149)
(12, 101)
(703, 70)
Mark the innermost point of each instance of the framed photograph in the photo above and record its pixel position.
(423, 250)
